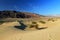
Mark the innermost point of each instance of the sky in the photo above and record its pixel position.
(43, 7)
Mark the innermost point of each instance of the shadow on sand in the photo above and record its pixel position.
(41, 28)
(22, 26)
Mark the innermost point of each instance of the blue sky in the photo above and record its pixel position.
(43, 7)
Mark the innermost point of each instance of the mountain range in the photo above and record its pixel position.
(17, 14)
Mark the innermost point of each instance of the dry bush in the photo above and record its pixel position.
(34, 24)
(42, 22)
(1, 22)
(51, 19)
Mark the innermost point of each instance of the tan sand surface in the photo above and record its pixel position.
(8, 32)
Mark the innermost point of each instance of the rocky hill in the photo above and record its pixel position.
(16, 14)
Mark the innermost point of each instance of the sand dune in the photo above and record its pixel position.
(8, 32)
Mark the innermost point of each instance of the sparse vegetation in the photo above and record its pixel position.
(1, 22)
(34, 24)
(51, 19)
(4, 21)
(42, 22)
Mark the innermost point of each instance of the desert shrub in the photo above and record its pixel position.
(42, 22)
(34, 22)
(1, 22)
(20, 21)
(34, 25)
(51, 20)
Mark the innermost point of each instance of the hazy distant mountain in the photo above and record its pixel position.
(16, 14)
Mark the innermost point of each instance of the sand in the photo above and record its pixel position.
(8, 32)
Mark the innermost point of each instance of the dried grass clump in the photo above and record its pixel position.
(43, 22)
(51, 19)
(34, 25)
(1, 22)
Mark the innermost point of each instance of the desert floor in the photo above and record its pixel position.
(8, 32)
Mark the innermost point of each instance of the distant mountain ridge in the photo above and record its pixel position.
(16, 14)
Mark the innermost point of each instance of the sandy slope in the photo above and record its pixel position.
(8, 32)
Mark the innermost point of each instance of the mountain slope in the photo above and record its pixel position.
(16, 14)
